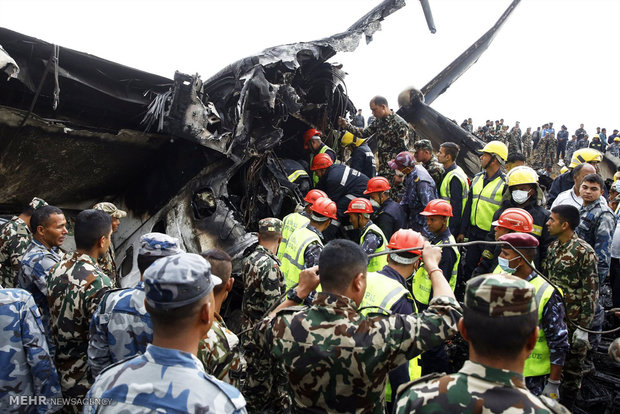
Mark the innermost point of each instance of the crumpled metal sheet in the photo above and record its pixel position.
(8, 64)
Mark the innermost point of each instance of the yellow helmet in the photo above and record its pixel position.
(563, 169)
(522, 175)
(348, 139)
(496, 148)
(585, 155)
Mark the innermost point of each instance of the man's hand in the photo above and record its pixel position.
(308, 281)
(342, 122)
(431, 255)
(552, 389)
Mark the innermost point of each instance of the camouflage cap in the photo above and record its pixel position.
(499, 295)
(423, 144)
(175, 281)
(37, 203)
(158, 244)
(270, 224)
(111, 209)
(404, 159)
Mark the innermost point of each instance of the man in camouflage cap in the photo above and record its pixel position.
(424, 154)
(264, 286)
(179, 298)
(121, 326)
(15, 236)
(106, 263)
(500, 323)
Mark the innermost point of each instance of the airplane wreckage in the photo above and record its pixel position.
(199, 160)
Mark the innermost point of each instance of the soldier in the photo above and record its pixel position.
(389, 130)
(566, 181)
(219, 351)
(513, 140)
(424, 154)
(387, 213)
(562, 141)
(48, 224)
(168, 376)
(75, 288)
(545, 152)
(358, 119)
(543, 368)
(499, 323)
(348, 372)
(362, 159)
(264, 286)
(571, 265)
(419, 190)
(15, 236)
(372, 238)
(571, 147)
(454, 187)
(106, 263)
(121, 327)
(571, 196)
(295, 220)
(526, 140)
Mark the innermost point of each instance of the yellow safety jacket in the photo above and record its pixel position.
(376, 263)
(296, 174)
(422, 285)
(290, 223)
(486, 200)
(293, 260)
(444, 189)
(315, 178)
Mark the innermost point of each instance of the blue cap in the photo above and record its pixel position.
(158, 244)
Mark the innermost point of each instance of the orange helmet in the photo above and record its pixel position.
(437, 207)
(405, 238)
(325, 207)
(321, 161)
(377, 184)
(309, 134)
(313, 195)
(359, 205)
(515, 219)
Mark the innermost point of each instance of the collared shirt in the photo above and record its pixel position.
(568, 197)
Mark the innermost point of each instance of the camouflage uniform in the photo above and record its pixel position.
(573, 268)
(220, 354)
(526, 141)
(339, 360)
(433, 167)
(75, 288)
(513, 142)
(107, 261)
(27, 366)
(478, 388)
(596, 226)
(571, 147)
(545, 152)
(614, 149)
(167, 379)
(419, 190)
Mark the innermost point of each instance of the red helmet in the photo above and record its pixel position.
(405, 238)
(313, 195)
(515, 219)
(321, 161)
(377, 185)
(437, 207)
(359, 205)
(309, 134)
(325, 207)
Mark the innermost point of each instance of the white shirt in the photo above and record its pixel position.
(568, 197)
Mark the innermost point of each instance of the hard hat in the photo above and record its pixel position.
(563, 169)
(313, 195)
(377, 185)
(596, 136)
(522, 175)
(359, 205)
(405, 238)
(311, 133)
(515, 219)
(496, 148)
(617, 139)
(325, 207)
(437, 207)
(347, 139)
(617, 176)
(585, 155)
(321, 161)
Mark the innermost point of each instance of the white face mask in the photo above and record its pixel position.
(374, 203)
(520, 196)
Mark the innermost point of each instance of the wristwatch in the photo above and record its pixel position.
(291, 294)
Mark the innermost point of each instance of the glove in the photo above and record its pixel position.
(580, 339)
(552, 389)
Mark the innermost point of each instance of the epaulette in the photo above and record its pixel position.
(407, 385)
(553, 405)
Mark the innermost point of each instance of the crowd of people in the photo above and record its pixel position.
(347, 302)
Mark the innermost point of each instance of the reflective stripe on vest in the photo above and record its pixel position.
(486, 200)
(538, 362)
(421, 285)
(376, 263)
(293, 260)
(290, 223)
(315, 178)
(296, 174)
(444, 189)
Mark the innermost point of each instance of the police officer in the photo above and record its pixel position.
(179, 298)
(106, 262)
(314, 145)
(296, 220)
(387, 213)
(454, 187)
(372, 238)
(362, 159)
(424, 155)
(566, 181)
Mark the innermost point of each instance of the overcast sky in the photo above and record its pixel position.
(554, 60)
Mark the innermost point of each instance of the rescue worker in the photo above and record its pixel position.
(614, 148)
(297, 174)
(419, 190)
(543, 368)
(107, 261)
(566, 181)
(484, 199)
(306, 243)
(388, 214)
(372, 238)
(362, 159)
(454, 187)
(314, 145)
(597, 144)
(296, 220)
(424, 154)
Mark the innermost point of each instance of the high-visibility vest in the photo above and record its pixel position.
(422, 285)
(296, 174)
(382, 293)
(376, 263)
(290, 223)
(538, 362)
(315, 178)
(444, 189)
(293, 260)
(486, 200)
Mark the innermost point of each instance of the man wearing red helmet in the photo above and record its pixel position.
(314, 145)
(388, 214)
(372, 238)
